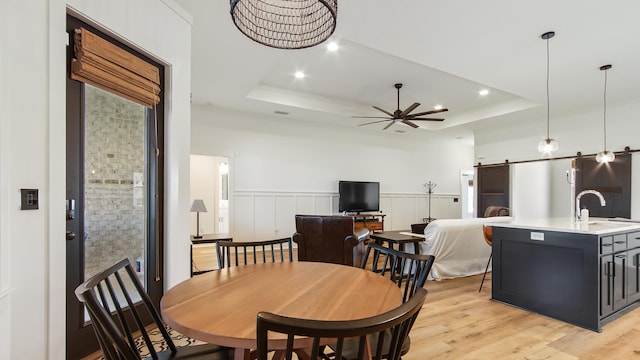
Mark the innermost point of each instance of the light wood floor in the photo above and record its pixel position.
(458, 322)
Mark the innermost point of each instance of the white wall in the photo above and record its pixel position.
(279, 167)
(32, 131)
(579, 132)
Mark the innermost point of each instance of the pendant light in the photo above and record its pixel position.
(547, 145)
(605, 156)
(285, 24)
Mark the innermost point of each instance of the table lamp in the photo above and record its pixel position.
(198, 207)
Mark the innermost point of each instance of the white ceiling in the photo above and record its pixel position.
(443, 52)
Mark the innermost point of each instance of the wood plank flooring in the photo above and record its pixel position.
(458, 322)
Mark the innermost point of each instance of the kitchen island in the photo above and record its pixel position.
(583, 273)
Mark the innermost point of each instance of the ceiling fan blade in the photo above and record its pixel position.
(428, 112)
(410, 123)
(373, 122)
(409, 109)
(425, 119)
(384, 111)
(372, 117)
(391, 123)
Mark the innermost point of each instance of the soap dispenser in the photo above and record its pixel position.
(584, 214)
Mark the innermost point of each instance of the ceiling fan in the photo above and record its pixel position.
(404, 117)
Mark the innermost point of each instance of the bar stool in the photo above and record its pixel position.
(487, 231)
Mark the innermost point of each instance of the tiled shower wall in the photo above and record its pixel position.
(114, 168)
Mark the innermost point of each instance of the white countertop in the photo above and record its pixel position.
(597, 226)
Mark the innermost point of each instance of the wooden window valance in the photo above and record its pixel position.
(111, 68)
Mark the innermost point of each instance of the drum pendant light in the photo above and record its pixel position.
(605, 156)
(285, 24)
(548, 145)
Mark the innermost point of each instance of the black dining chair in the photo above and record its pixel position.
(235, 253)
(117, 305)
(391, 327)
(408, 271)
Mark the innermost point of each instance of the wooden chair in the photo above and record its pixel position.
(249, 252)
(408, 270)
(118, 314)
(394, 324)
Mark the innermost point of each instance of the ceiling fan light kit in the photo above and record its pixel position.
(285, 24)
(402, 116)
(605, 156)
(548, 145)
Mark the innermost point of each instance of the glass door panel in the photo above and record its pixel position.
(114, 182)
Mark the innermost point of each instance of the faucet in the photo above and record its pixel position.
(596, 193)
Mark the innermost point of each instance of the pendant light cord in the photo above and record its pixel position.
(548, 89)
(604, 115)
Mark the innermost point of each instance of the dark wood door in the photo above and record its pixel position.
(493, 187)
(612, 180)
(114, 192)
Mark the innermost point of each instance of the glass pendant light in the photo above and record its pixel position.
(605, 156)
(548, 145)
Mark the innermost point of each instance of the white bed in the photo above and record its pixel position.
(458, 245)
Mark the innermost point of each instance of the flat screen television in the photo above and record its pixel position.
(358, 196)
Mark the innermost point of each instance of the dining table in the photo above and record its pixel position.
(221, 307)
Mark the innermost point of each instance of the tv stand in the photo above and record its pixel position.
(373, 222)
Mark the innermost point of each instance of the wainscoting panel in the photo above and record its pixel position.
(242, 224)
(306, 204)
(262, 215)
(401, 214)
(285, 211)
(265, 210)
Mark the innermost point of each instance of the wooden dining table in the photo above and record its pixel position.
(220, 307)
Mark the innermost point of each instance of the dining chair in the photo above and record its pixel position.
(252, 252)
(409, 271)
(394, 324)
(117, 305)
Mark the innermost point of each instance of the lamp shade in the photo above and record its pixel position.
(285, 24)
(198, 206)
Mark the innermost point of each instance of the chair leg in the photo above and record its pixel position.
(485, 272)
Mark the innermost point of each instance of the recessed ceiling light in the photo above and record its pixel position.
(483, 92)
(332, 46)
(299, 75)
(438, 107)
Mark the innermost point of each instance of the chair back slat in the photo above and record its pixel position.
(397, 322)
(245, 253)
(119, 307)
(408, 271)
(104, 295)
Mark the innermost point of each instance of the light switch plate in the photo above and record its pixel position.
(28, 199)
